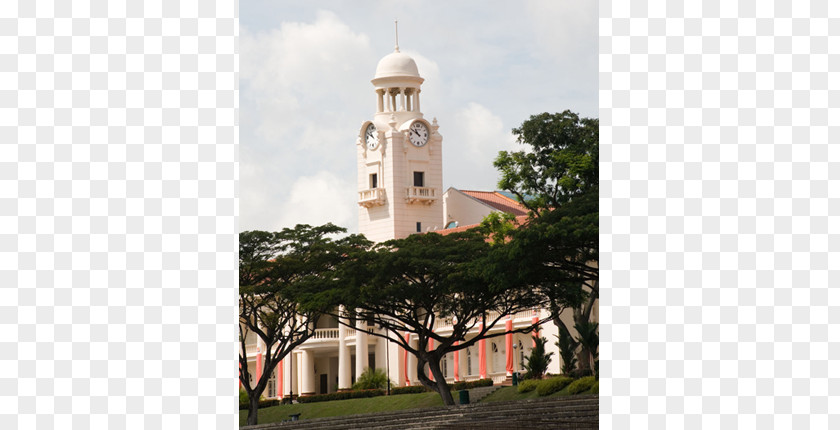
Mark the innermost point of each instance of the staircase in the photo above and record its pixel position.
(476, 394)
(567, 412)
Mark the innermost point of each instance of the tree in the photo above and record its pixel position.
(588, 339)
(371, 378)
(538, 361)
(406, 285)
(273, 269)
(557, 180)
(567, 346)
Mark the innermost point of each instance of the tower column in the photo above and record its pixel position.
(379, 99)
(455, 367)
(509, 348)
(417, 100)
(361, 347)
(402, 100)
(343, 352)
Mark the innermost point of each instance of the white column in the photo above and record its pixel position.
(294, 370)
(307, 370)
(286, 370)
(402, 99)
(379, 104)
(343, 355)
(361, 348)
(395, 370)
(417, 100)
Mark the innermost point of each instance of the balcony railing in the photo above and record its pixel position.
(372, 197)
(425, 195)
(325, 333)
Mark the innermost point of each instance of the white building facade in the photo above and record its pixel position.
(400, 180)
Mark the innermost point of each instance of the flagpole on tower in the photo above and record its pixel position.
(396, 38)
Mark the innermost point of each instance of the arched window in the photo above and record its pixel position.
(272, 385)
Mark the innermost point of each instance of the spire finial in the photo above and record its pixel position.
(396, 37)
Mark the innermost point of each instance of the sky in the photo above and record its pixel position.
(304, 89)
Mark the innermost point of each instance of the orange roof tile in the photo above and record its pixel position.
(520, 220)
(498, 201)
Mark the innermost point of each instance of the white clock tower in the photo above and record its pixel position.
(399, 157)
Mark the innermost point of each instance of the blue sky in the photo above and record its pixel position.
(305, 70)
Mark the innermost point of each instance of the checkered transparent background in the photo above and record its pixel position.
(720, 202)
(720, 206)
(117, 214)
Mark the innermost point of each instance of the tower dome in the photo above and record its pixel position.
(396, 64)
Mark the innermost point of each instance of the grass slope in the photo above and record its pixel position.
(345, 407)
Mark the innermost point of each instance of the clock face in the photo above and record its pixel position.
(370, 136)
(418, 134)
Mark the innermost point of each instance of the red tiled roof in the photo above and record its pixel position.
(498, 201)
(518, 221)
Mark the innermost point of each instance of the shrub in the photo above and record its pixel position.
(528, 385)
(414, 389)
(342, 396)
(538, 361)
(553, 385)
(370, 379)
(594, 389)
(567, 346)
(463, 385)
(243, 398)
(582, 385)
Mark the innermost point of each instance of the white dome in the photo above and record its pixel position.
(396, 64)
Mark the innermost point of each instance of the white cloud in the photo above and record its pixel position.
(476, 138)
(319, 199)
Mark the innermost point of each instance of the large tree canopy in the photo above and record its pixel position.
(556, 177)
(405, 285)
(275, 269)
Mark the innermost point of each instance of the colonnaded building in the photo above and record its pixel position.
(400, 182)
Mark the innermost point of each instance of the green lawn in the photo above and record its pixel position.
(345, 407)
(505, 394)
(379, 404)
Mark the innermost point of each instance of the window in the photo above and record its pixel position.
(521, 355)
(373, 182)
(418, 227)
(418, 179)
(445, 367)
(272, 385)
(469, 362)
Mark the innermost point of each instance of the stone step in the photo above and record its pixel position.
(558, 412)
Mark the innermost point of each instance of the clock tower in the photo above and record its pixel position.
(399, 157)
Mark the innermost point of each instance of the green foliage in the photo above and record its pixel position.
(355, 394)
(567, 346)
(582, 384)
(562, 160)
(553, 385)
(537, 363)
(243, 399)
(464, 385)
(528, 385)
(594, 389)
(371, 378)
(413, 389)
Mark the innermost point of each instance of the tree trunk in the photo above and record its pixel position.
(439, 384)
(440, 381)
(253, 406)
